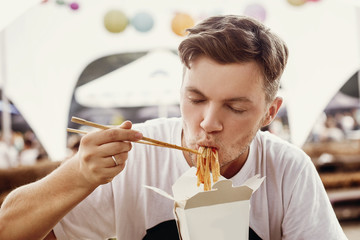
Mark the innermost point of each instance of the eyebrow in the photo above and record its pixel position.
(235, 99)
(239, 99)
(194, 90)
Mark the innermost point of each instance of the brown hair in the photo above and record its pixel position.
(233, 39)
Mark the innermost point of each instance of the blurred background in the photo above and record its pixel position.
(112, 60)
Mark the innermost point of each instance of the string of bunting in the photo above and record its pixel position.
(72, 5)
(116, 21)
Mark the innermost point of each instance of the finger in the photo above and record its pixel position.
(113, 172)
(126, 125)
(118, 134)
(121, 158)
(113, 148)
(97, 137)
(107, 174)
(115, 161)
(102, 169)
(112, 135)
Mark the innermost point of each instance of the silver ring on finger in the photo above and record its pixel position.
(114, 159)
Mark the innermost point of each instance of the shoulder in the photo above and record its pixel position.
(286, 163)
(281, 156)
(278, 147)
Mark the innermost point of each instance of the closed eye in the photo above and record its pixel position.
(235, 110)
(196, 101)
(194, 95)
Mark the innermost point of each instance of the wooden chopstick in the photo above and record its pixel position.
(85, 132)
(146, 140)
(76, 131)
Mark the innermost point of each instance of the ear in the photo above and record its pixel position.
(272, 111)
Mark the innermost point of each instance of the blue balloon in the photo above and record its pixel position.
(142, 22)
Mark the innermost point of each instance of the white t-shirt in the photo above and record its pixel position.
(290, 204)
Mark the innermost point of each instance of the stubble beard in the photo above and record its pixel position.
(247, 140)
(224, 158)
(227, 158)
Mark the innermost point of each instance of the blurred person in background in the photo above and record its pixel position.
(9, 152)
(8, 155)
(332, 132)
(29, 154)
(73, 144)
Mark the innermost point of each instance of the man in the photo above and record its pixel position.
(231, 76)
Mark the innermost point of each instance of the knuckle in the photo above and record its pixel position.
(123, 157)
(123, 147)
(128, 146)
(85, 140)
(86, 157)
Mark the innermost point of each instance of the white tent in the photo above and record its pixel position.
(324, 54)
(8, 14)
(152, 80)
(49, 46)
(11, 10)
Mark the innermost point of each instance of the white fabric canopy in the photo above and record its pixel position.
(150, 80)
(324, 54)
(11, 10)
(49, 46)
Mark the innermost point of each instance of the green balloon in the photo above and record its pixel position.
(60, 2)
(115, 21)
(297, 2)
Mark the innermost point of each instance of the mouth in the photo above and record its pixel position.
(207, 145)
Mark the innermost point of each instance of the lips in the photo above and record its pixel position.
(205, 144)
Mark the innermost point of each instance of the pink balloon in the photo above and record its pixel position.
(74, 6)
(256, 11)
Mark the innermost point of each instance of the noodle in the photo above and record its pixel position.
(207, 161)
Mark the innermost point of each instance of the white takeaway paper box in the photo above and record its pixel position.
(219, 214)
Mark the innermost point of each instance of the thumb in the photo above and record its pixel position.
(126, 125)
(135, 135)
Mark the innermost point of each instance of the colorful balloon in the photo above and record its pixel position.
(142, 22)
(74, 6)
(181, 22)
(115, 21)
(297, 2)
(60, 2)
(256, 11)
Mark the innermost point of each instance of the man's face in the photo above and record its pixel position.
(223, 106)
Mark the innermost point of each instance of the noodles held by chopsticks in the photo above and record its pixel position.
(207, 161)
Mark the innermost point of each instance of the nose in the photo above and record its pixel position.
(211, 121)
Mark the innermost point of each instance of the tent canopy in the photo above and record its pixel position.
(150, 80)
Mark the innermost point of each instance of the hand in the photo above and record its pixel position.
(96, 149)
